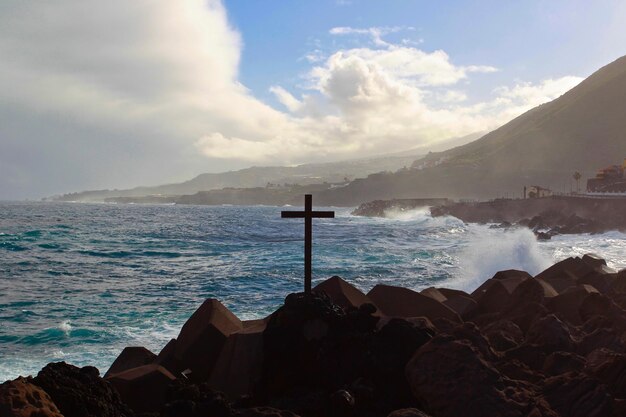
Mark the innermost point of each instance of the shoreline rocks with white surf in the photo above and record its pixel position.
(546, 216)
(549, 345)
(380, 208)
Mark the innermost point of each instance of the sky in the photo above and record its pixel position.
(117, 94)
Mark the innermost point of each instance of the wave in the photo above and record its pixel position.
(489, 251)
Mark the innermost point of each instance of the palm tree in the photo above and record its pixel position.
(577, 177)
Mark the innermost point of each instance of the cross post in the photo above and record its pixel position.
(308, 214)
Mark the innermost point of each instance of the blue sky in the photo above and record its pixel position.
(526, 40)
(117, 94)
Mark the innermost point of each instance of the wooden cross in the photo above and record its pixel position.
(308, 214)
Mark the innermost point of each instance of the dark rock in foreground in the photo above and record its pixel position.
(520, 346)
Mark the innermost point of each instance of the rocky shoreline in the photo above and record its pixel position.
(547, 216)
(380, 208)
(545, 346)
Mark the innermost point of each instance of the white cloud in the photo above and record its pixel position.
(375, 33)
(286, 98)
(114, 93)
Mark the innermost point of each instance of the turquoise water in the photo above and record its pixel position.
(78, 282)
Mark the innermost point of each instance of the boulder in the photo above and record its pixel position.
(491, 298)
(533, 290)
(574, 268)
(450, 378)
(292, 342)
(186, 399)
(503, 335)
(131, 357)
(166, 358)
(342, 403)
(532, 356)
(619, 283)
(463, 305)
(80, 392)
(402, 302)
(601, 338)
(511, 274)
(551, 334)
(408, 412)
(610, 368)
(558, 363)
(144, 388)
(600, 280)
(342, 293)
(566, 305)
(599, 305)
(561, 282)
(577, 395)
(264, 412)
(21, 398)
(435, 294)
(594, 260)
(201, 340)
(240, 363)
(449, 293)
(459, 301)
(508, 281)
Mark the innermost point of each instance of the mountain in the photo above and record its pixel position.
(306, 174)
(583, 130)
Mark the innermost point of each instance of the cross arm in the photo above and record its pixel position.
(292, 214)
(323, 214)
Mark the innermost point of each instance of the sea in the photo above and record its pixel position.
(79, 282)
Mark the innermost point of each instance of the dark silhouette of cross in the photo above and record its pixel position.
(308, 214)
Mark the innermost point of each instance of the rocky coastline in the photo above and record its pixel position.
(546, 217)
(545, 346)
(380, 208)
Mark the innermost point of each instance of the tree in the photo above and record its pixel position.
(577, 177)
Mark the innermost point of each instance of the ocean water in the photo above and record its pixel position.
(78, 282)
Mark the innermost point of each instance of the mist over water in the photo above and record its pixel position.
(78, 282)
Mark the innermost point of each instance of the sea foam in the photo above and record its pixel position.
(491, 250)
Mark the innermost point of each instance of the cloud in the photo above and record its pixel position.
(286, 98)
(113, 94)
(375, 33)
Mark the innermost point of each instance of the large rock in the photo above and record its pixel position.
(550, 334)
(450, 378)
(508, 281)
(610, 368)
(566, 305)
(201, 340)
(21, 398)
(408, 412)
(264, 412)
(144, 388)
(503, 335)
(558, 363)
(402, 302)
(577, 395)
(292, 345)
(80, 392)
(574, 268)
(459, 301)
(342, 293)
(511, 274)
(131, 357)
(239, 366)
(492, 297)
